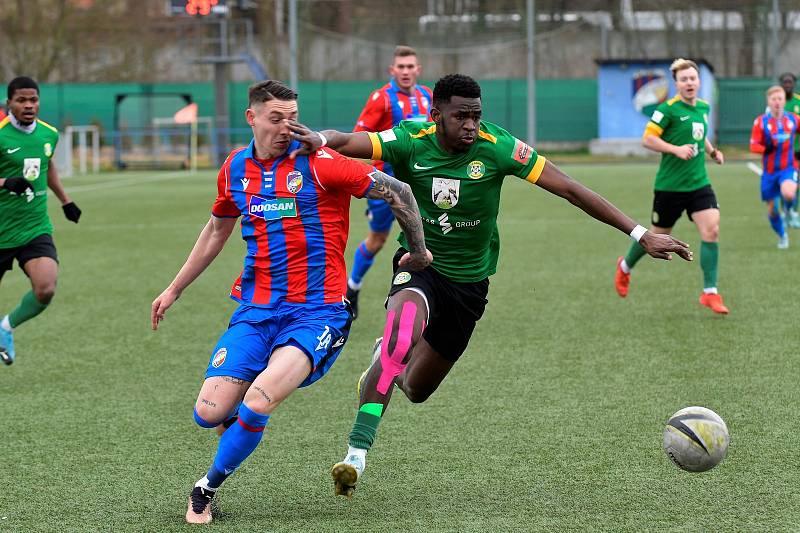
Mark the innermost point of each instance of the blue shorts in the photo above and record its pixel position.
(771, 183)
(254, 333)
(380, 216)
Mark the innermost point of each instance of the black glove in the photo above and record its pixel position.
(72, 212)
(797, 155)
(17, 185)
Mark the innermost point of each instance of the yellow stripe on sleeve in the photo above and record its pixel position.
(46, 125)
(653, 129)
(377, 151)
(536, 171)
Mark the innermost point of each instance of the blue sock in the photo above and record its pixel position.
(236, 444)
(776, 222)
(361, 263)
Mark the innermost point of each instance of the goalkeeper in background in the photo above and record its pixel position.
(27, 145)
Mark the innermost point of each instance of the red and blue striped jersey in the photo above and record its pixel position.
(295, 221)
(774, 137)
(387, 106)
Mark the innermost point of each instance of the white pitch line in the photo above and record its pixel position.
(755, 168)
(131, 181)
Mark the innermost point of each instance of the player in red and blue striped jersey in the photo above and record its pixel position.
(400, 99)
(292, 321)
(773, 136)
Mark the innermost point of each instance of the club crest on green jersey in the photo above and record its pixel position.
(444, 192)
(31, 167)
(698, 131)
(48, 149)
(476, 170)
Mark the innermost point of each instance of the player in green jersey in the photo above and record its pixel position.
(27, 145)
(455, 166)
(678, 130)
(788, 81)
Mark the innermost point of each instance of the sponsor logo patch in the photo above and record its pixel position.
(522, 152)
(698, 131)
(401, 278)
(272, 209)
(219, 357)
(476, 170)
(387, 136)
(444, 192)
(657, 116)
(294, 181)
(31, 167)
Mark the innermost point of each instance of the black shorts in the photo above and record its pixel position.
(668, 206)
(454, 308)
(41, 246)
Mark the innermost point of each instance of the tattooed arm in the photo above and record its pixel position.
(400, 199)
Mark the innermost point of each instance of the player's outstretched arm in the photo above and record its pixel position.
(356, 144)
(400, 199)
(657, 245)
(209, 244)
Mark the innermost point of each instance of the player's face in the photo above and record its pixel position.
(24, 104)
(270, 129)
(405, 71)
(688, 82)
(776, 102)
(457, 122)
(787, 82)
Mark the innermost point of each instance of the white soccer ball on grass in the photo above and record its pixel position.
(696, 439)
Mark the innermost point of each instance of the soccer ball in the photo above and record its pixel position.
(696, 439)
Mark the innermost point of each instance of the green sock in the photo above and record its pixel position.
(709, 259)
(28, 308)
(635, 252)
(366, 426)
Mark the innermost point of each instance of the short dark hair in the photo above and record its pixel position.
(264, 91)
(21, 82)
(789, 75)
(402, 50)
(455, 85)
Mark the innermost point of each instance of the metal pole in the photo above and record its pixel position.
(221, 78)
(293, 44)
(531, 14)
(776, 20)
(96, 149)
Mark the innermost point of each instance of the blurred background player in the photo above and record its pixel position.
(773, 136)
(788, 81)
(678, 129)
(292, 321)
(27, 145)
(456, 167)
(400, 99)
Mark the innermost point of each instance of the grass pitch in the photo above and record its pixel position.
(551, 421)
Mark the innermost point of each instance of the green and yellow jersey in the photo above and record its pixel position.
(458, 194)
(793, 105)
(679, 123)
(28, 155)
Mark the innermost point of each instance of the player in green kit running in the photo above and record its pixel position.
(678, 130)
(27, 145)
(455, 166)
(788, 80)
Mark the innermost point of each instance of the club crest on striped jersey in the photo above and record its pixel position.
(294, 181)
(219, 357)
(444, 192)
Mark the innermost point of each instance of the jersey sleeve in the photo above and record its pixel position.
(516, 158)
(659, 121)
(392, 146)
(373, 112)
(335, 171)
(757, 142)
(224, 206)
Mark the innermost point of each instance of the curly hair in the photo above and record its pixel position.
(264, 91)
(22, 82)
(455, 85)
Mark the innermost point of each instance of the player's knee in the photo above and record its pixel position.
(416, 394)
(44, 293)
(376, 241)
(711, 233)
(260, 401)
(206, 416)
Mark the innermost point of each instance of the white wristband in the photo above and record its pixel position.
(637, 232)
(324, 139)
